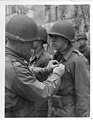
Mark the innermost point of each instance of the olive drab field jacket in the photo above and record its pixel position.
(22, 89)
(73, 96)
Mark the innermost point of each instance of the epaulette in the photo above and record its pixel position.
(80, 54)
(76, 51)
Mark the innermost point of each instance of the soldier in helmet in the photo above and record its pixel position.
(83, 47)
(41, 59)
(22, 89)
(73, 96)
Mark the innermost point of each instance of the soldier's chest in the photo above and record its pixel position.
(67, 79)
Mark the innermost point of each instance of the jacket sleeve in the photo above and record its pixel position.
(82, 87)
(40, 73)
(27, 86)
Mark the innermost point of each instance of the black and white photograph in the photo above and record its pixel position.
(47, 66)
(47, 61)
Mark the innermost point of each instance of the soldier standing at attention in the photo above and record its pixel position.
(22, 89)
(73, 96)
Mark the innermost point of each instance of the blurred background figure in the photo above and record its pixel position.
(83, 46)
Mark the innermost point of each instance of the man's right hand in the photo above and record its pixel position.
(52, 64)
(60, 70)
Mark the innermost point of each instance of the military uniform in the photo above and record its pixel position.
(22, 89)
(85, 50)
(41, 60)
(73, 96)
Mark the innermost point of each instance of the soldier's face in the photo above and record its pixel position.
(27, 49)
(81, 42)
(58, 42)
(37, 44)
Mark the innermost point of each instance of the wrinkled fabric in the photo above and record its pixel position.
(85, 51)
(75, 86)
(22, 89)
(42, 61)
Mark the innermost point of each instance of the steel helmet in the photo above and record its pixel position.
(21, 27)
(81, 36)
(42, 34)
(64, 29)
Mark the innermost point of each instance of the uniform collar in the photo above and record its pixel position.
(15, 55)
(67, 53)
